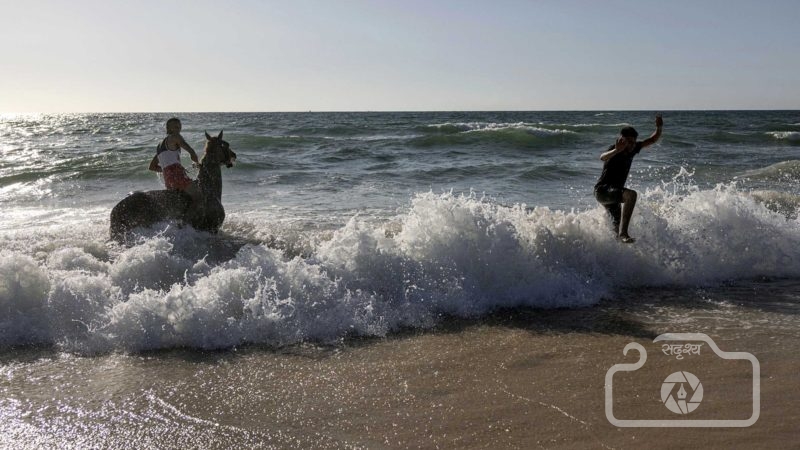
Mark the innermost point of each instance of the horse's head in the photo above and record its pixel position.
(218, 151)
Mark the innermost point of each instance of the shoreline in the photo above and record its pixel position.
(519, 378)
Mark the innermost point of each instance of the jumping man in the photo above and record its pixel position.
(610, 189)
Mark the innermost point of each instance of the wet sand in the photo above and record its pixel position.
(515, 379)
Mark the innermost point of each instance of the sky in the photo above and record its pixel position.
(404, 55)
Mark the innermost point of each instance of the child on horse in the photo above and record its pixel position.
(168, 160)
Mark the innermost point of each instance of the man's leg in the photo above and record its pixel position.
(610, 198)
(615, 211)
(628, 203)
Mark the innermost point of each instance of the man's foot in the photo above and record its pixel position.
(626, 239)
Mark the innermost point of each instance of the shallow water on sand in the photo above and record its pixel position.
(519, 378)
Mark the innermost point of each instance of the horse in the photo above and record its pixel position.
(203, 210)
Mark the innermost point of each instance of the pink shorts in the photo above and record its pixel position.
(175, 178)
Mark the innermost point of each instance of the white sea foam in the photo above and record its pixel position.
(792, 136)
(587, 125)
(24, 287)
(446, 254)
(483, 127)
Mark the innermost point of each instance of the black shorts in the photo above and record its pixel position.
(608, 195)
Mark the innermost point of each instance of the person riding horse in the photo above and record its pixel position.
(144, 209)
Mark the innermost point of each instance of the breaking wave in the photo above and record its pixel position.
(444, 255)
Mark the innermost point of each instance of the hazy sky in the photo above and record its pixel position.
(297, 55)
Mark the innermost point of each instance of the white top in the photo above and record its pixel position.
(167, 157)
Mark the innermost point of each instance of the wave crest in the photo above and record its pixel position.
(445, 255)
(791, 136)
(782, 171)
(514, 134)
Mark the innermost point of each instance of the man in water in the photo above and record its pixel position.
(610, 189)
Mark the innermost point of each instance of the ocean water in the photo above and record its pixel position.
(361, 224)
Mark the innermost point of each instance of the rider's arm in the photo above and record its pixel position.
(154, 164)
(185, 145)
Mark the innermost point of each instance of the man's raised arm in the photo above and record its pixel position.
(656, 134)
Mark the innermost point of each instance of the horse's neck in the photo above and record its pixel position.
(210, 181)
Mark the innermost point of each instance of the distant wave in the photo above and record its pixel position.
(586, 125)
(452, 173)
(781, 202)
(386, 137)
(332, 131)
(444, 255)
(753, 138)
(782, 171)
(464, 127)
(272, 142)
(516, 134)
(791, 136)
(554, 172)
(731, 137)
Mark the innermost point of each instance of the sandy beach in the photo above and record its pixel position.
(515, 379)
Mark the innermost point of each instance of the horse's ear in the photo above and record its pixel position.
(220, 135)
(208, 136)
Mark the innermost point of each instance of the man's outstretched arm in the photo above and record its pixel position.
(656, 134)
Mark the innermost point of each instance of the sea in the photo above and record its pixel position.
(350, 227)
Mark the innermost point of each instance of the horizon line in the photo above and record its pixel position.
(395, 111)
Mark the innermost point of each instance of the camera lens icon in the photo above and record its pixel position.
(675, 390)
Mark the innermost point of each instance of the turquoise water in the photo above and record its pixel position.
(361, 223)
